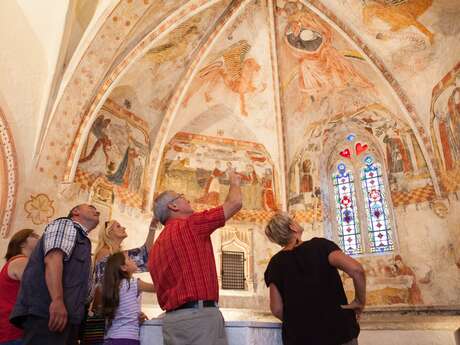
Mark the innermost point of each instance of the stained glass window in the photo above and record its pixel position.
(379, 226)
(347, 217)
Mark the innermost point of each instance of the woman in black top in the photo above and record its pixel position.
(306, 292)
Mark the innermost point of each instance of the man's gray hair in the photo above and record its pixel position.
(160, 208)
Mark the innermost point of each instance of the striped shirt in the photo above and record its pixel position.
(181, 261)
(125, 324)
(61, 234)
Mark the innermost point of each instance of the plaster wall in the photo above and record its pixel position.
(30, 40)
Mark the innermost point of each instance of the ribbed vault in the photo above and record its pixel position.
(283, 72)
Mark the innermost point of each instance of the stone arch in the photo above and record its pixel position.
(441, 107)
(8, 176)
(173, 20)
(88, 87)
(179, 94)
(111, 50)
(326, 167)
(234, 239)
(407, 107)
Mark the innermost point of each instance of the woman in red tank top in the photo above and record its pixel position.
(19, 249)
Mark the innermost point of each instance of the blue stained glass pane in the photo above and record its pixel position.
(351, 136)
(379, 225)
(347, 217)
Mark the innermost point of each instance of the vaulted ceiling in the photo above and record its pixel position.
(283, 74)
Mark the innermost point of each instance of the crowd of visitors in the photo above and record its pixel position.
(53, 291)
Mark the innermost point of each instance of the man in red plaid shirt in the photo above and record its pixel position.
(183, 269)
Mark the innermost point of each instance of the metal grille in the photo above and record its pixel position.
(233, 270)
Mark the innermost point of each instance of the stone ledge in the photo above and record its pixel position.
(269, 333)
(402, 323)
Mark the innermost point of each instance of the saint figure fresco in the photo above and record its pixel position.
(116, 150)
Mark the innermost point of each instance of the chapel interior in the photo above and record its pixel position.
(319, 105)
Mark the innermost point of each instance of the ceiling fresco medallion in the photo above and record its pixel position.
(39, 208)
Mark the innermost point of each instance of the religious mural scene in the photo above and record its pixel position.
(408, 175)
(391, 282)
(319, 72)
(116, 153)
(342, 115)
(410, 34)
(198, 166)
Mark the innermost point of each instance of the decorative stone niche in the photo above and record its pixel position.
(238, 240)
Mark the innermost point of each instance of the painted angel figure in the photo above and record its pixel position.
(233, 68)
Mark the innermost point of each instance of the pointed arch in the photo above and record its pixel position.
(364, 222)
(8, 176)
(406, 106)
(113, 47)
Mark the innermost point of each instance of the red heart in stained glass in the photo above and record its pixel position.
(360, 148)
(345, 153)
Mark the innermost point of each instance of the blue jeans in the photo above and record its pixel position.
(13, 342)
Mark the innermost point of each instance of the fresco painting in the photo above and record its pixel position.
(115, 153)
(198, 166)
(230, 95)
(445, 128)
(272, 105)
(234, 69)
(397, 15)
(409, 34)
(148, 86)
(319, 71)
(390, 281)
(408, 174)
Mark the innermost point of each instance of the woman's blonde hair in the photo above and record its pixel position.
(278, 230)
(104, 239)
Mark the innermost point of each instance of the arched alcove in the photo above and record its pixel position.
(355, 183)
